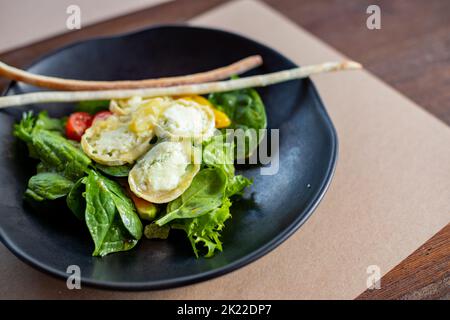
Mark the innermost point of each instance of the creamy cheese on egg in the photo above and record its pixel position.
(165, 172)
(164, 166)
(124, 136)
(186, 119)
(111, 141)
(117, 140)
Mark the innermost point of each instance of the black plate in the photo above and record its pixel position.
(51, 239)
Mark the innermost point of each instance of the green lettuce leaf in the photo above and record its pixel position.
(205, 230)
(237, 184)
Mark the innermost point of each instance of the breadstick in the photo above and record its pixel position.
(238, 67)
(202, 88)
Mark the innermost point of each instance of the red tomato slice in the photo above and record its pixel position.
(77, 124)
(102, 115)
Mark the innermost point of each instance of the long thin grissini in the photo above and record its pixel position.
(238, 67)
(203, 88)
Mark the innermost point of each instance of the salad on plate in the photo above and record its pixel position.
(141, 166)
(145, 157)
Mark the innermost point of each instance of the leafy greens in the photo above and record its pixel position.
(75, 199)
(65, 170)
(114, 171)
(48, 185)
(54, 151)
(201, 211)
(218, 153)
(206, 228)
(110, 216)
(246, 112)
(205, 193)
(92, 107)
(109, 213)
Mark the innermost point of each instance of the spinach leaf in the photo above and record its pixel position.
(75, 199)
(206, 228)
(116, 239)
(92, 107)
(48, 185)
(205, 193)
(110, 216)
(115, 171)
(246, 112)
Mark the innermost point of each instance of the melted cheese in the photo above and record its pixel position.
(125, 136)
(116, 141)
(164, 166)
(165, 172)
(186, 119)
(111, 142)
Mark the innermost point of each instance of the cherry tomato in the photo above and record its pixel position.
(102, 115)
(77, 124)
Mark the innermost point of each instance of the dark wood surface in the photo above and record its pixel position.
(411, 52)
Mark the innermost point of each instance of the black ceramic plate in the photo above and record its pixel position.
(51, 239)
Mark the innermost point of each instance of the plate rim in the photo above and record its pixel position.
(234, 265)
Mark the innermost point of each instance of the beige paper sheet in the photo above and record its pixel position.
(37, 22)
(390, 193)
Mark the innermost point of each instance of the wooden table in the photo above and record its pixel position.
(411, 52)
